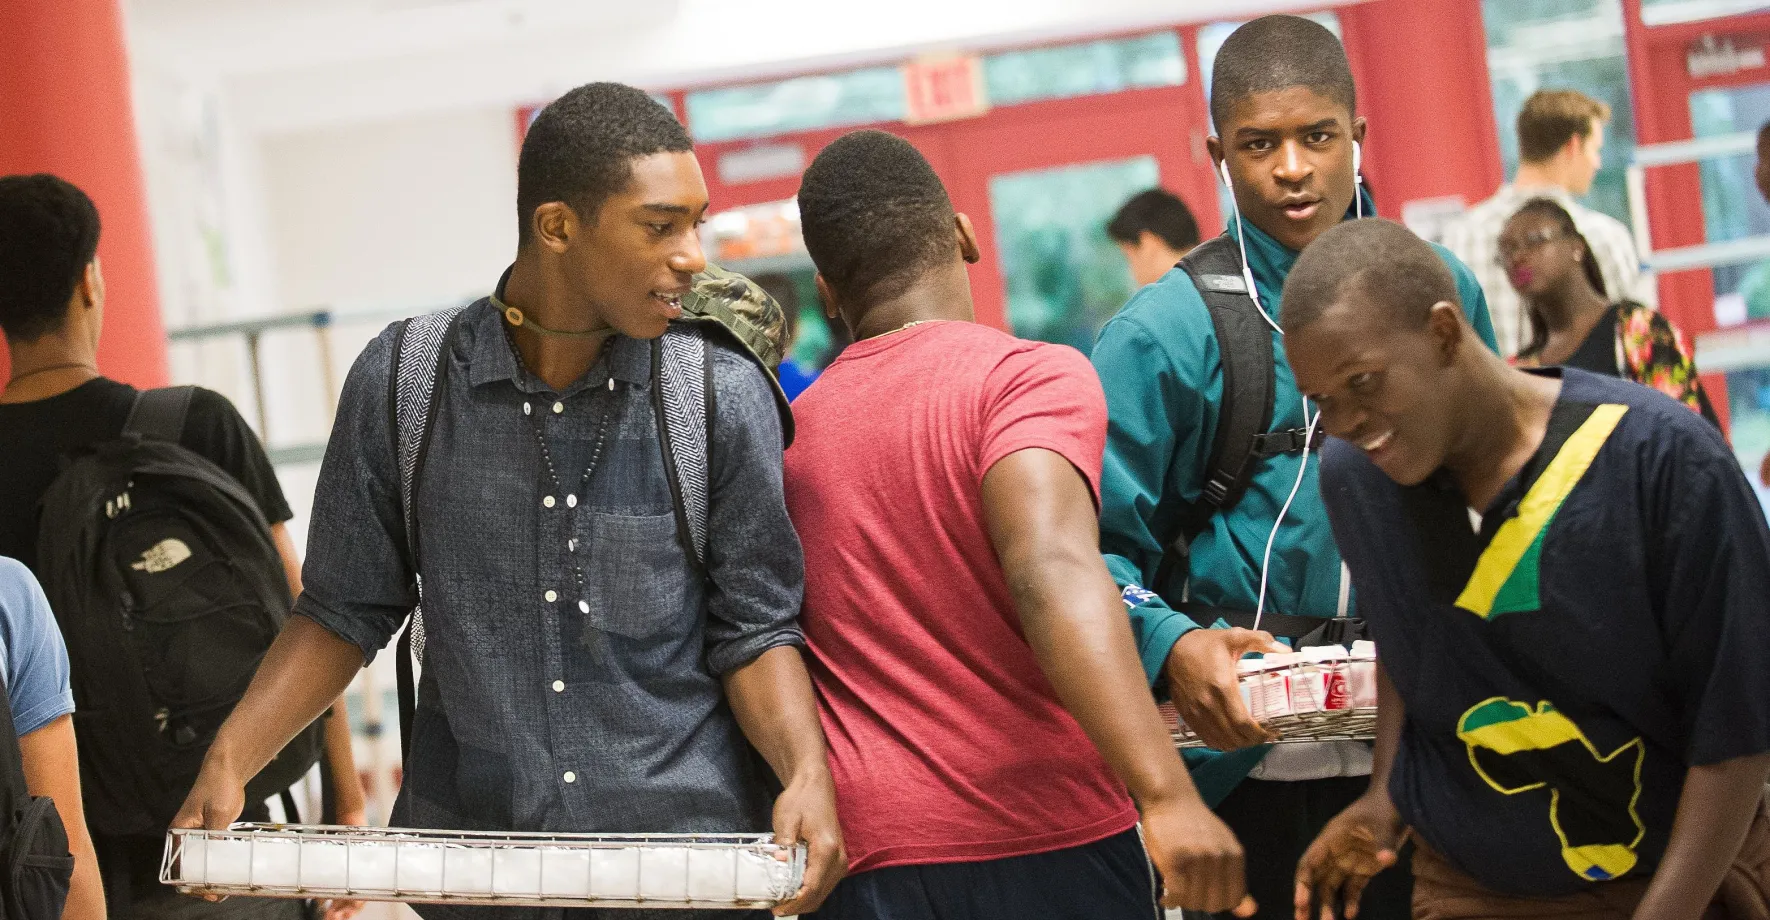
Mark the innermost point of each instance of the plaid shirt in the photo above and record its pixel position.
(1474, 238)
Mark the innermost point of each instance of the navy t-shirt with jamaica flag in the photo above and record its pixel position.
(1564, 665)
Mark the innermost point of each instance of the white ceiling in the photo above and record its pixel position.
(288, 65)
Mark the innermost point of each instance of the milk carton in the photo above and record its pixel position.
(1266, 685)
(1320, 682)
(1362, 674)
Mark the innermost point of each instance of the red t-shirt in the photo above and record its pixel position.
(947, 742)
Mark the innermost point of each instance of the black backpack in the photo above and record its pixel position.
(1242, 439)
(35, 865)
(168, 589)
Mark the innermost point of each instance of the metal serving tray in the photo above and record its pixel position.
(738, 871)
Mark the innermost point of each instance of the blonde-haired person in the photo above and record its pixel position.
(1560, 149)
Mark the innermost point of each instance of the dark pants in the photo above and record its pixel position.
(1276, 822)
(1108, 880)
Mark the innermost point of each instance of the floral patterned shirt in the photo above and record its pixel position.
(1636, 342)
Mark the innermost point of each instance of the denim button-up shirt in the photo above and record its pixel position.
(532, 714)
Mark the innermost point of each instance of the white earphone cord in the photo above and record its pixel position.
(1302, 470)
(1309, 424)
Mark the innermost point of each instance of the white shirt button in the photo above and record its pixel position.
(571, 546)
(547, 502)
(551, 596)
(583, 606)
(559, 686)
(527, 409)
(558, 407)
(571, 501)
(570, 777)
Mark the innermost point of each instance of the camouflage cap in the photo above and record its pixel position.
(753, 318)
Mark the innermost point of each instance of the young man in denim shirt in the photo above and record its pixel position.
(582, 674)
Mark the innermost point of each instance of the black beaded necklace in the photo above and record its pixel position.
(571, 499)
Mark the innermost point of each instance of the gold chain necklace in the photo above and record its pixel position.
(905, 326)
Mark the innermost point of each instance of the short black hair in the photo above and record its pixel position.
(1374, 263)
(874, 214)
(48, 235)
(580, 149)
(1275, 53)
(1156, 211)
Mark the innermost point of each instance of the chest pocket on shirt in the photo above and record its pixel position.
(636, 576)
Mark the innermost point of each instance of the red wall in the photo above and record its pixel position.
(1659, 77)
(1417, 62)
(65, 108)
(1421, 67)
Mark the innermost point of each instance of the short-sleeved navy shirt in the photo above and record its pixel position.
(1565, 666)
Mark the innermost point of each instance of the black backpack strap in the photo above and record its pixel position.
(420, 355)
(160, 413)
(14, 793)
(1244, 342)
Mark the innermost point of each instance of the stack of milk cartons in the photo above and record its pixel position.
(1323, 679)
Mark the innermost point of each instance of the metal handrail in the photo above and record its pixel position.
(1701, 255)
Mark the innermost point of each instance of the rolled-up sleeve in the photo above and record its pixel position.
(357, 581)
(755, 566)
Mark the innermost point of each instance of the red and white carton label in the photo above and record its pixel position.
(1338, 693)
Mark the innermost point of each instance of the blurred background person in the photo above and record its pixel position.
(1560, 150)
(1570, 320)
(1154, 229)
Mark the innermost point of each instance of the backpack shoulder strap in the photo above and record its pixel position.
(14, 793)
(419, 355)
(681, 371)
(1244, 342)
(160, 413)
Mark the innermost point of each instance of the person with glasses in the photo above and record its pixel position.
(1573, 323)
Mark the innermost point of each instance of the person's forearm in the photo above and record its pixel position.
(304, 672)
(347, 784)
(1715, 810)
(1076, 625)
(86, 888)
(777, 710)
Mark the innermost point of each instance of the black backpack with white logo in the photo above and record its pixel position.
(168, 588)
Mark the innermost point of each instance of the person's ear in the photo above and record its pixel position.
(554, 225)
(1214, 147)
(91, 287)
(967, 236)
(1359, 127)
(1445, 324)
(1575, 148)
(831, 310)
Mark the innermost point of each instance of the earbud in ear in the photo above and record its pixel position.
(1357, 157)
(1223, 168)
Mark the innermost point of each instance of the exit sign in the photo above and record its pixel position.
(944, 88)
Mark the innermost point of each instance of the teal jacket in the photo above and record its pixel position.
(1159, 364)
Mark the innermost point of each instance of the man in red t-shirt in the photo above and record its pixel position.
(976, 676)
